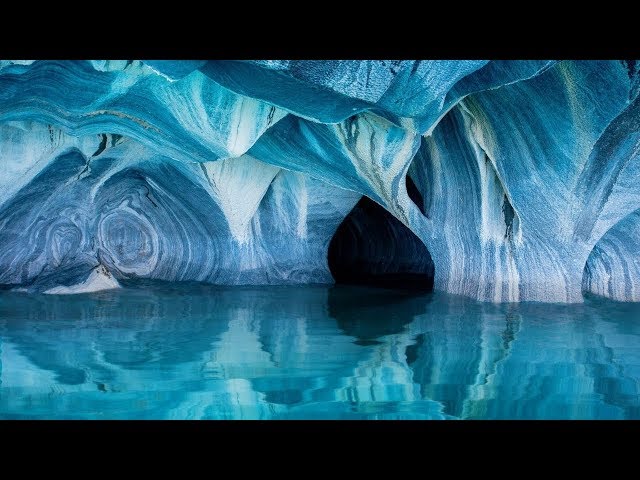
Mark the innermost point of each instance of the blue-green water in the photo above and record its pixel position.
(314, 352)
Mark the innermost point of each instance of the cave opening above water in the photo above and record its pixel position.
(372, 247)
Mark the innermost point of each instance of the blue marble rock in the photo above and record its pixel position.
(502, 181)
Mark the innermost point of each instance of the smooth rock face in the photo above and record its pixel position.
(524, 175)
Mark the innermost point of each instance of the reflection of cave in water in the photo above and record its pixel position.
(445, 363)
(113, 331)
(372, 247)
(369, 314)
(313, 361)
(195, 351)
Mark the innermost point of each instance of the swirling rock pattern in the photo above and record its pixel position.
(143, 215)
(538, 180)
(523, 175)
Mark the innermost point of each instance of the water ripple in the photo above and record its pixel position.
(155, 350)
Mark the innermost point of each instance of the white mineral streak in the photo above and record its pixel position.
(381, 154)
(27, 147)
(195, 171)
(243, 176)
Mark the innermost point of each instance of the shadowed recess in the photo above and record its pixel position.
(372, 247)
(514, 174)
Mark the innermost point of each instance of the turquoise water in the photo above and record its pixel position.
(313, 352)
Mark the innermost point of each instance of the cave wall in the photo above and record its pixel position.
(522, 172)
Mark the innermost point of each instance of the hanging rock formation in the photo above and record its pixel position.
(504, 180)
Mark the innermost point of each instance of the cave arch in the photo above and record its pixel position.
(372, 247)
(612, 269)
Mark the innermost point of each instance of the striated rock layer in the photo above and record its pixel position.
(501, 181)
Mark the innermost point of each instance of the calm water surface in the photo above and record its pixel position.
(313, 352)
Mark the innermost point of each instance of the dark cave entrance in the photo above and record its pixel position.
(372, 247)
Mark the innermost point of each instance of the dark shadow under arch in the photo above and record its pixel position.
(372, 247)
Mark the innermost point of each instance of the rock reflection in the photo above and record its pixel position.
(196, 351)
